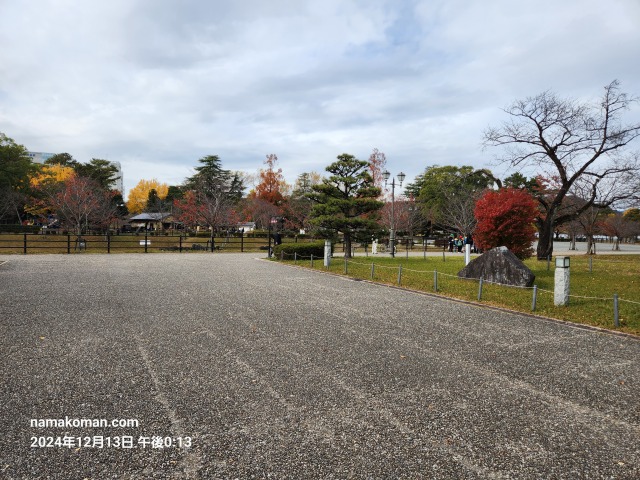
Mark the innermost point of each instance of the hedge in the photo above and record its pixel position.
(4, 228)
(302, 249)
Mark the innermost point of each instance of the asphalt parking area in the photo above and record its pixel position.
(235, 367)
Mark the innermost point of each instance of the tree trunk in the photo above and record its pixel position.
(545, 238)
(347, 245)
(590, 249)
(573, 242)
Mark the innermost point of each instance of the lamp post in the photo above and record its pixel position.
(392, 234)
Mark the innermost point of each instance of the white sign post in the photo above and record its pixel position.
(327, 253)
(561, 285)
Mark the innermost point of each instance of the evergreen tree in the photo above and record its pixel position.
(346, 202)
(209, 176)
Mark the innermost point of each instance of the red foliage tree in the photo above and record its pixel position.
(272, 184)
(506, 218)
(82, 203)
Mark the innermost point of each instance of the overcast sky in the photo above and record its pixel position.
(158, 84)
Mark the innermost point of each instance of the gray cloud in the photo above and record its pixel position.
(158, 84)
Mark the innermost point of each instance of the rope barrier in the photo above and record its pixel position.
(628, 301)
(404, 270)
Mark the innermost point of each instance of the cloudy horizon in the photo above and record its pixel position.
(156, 85)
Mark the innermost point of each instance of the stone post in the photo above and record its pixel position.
(561, 285)
(327, 253)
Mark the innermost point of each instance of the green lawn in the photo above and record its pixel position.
(613, 274)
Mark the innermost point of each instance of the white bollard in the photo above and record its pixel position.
(467, 254)
(561, 284)
(327, 253)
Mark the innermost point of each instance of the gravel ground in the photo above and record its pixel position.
(278, 372)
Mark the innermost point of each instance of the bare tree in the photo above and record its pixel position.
(217, 211)
(589, 221)
(459, 211)
(81, 202)
(377, 165)
(577, 142)
(11, 204)
(618, 227)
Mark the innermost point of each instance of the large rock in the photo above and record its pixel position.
(499, 265)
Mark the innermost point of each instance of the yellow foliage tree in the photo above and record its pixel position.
(51, 174)
(138, 195)
(46, 177)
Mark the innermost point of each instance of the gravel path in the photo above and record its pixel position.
(278, 372)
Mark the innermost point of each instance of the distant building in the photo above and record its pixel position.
(41, 157)
(152, 221)
(246, 226)
(117, 183)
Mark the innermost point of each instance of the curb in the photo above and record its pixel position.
(580, 326)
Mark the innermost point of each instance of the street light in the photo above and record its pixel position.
(277, 223)
(392, 237)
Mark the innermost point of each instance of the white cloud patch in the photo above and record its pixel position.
(157, 84)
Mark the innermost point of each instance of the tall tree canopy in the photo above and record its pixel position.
(579, 143)
(16, 166)
(346, 201)
(272, 186)
(16, 169)
(139, 195)
(447, 195)
(82, 202)
(210, 178)
(298, 205)
(103, 172)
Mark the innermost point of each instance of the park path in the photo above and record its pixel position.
(279, 372)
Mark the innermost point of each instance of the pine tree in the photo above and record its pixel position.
(346, 202)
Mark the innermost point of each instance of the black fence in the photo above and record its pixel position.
(29, 243)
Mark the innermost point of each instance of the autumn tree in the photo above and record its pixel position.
(47, 180)
(346, 201)
(82, 202)
(633, 216)
(210, 197)
(577, 142)
(259, 211)
(103, 172)
(211, 208)
(139, 195)
(272, 186)
(506, 218)
(51, 174)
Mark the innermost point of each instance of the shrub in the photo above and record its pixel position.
(20, 228)
(302, 249)
(506, 218)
